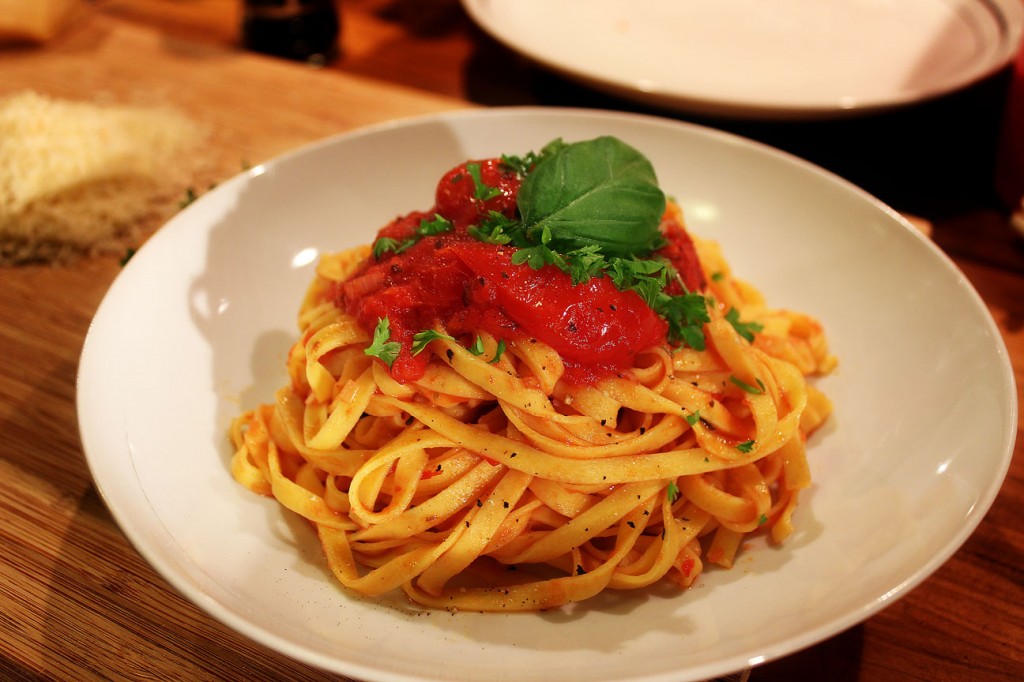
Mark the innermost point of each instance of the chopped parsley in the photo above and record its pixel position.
(686, 316)
(746, 446)
(753, 390)
(496, 229)
(436, 225)
(524, 165)
(585, 263)
(382, 347)
(385, 244)
(672, 492)
(497, 352)
(593, 209)
(744, 329)
(481, 191)
(421, 339)
(190, 197)
(427, 227)
(539, 255)
(477, 348)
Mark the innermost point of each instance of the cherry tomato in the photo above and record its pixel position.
(464, 201)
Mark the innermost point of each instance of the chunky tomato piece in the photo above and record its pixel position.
(404, 227)
(680, 251)
(592, 324)
(468, 286)
(413, 289)
(463, 201)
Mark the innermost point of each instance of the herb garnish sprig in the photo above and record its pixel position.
(436, 225)
(593, 209)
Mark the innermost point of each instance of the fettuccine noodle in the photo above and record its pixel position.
(496, 485)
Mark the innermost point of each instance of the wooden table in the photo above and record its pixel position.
(77, 602)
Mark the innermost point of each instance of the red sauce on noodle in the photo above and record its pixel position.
(468, 286)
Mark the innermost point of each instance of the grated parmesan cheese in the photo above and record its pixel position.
(81, 177)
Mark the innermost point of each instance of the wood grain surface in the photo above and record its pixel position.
(78, 603)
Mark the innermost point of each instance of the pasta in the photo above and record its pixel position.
(496, 469)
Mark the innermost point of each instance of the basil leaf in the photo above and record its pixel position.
(596, 192)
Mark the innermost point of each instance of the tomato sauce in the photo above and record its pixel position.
(468, 285)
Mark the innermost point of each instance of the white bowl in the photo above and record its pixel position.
(197, 325)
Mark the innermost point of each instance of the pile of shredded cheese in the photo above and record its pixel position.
(78, 177)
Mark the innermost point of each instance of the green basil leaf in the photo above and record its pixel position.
(599, 191)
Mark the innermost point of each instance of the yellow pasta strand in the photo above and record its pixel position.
(493, 484)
